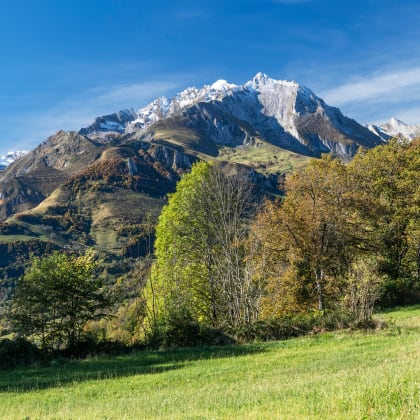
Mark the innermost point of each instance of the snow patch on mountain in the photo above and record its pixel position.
(163, 107)
(10, 157)
(112, 123)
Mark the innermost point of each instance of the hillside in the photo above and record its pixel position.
(345, 374)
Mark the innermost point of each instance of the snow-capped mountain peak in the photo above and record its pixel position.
(395, 127)
(164, 107)
(285, 112)
(278, 94)
(222, 86)
(260, 79)
(262, 82)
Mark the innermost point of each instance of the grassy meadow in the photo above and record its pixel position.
(340, 375)
(265, 158)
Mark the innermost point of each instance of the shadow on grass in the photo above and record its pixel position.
(65, 372)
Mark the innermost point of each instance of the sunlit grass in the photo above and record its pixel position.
(333, 375)
(266, 158)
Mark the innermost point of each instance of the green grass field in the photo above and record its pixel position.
(342, 375)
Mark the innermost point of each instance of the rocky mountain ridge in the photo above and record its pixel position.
(282, 112)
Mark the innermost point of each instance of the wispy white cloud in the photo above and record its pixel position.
(383, 87)
(380, 96)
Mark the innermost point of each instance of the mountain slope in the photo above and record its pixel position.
(30, 179)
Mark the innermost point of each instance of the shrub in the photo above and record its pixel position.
(112, 348)
(291, 326)
(90, 347)
(182, 331)
(403, 291)
(19, 352)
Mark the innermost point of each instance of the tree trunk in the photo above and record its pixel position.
(319, 278)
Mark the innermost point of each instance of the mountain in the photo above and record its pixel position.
(393, 128)
(280, 112)
(99, 185)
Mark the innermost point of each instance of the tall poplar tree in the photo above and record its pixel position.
(200, 258)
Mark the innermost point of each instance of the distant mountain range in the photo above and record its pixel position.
(126, 121)
(287, 113)
(88, 186)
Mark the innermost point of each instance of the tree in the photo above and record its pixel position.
(307, 240)
(363, 288)
(386, 187)
(200, 265)
(55, 298)
(337, 222)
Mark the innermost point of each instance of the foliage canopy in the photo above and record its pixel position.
(200, 268)
(56, 297)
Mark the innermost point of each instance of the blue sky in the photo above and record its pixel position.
(63, 62)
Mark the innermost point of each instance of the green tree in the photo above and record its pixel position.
(200, 265)
(55, 298)
(386, 187)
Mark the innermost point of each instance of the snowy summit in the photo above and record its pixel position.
(395, 127)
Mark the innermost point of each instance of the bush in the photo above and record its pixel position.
(182, 331)
(400, 292)
(19, 352)
(273, 329)
(214, 337)
(291, 326)
(90, 347)
(111, 348)
(81, 349)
